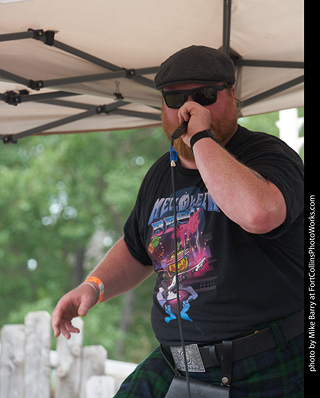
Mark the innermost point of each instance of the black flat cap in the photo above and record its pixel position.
(195, 64)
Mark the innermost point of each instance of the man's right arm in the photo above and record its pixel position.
(119, 271)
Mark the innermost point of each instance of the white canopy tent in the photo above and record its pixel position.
(88, 65)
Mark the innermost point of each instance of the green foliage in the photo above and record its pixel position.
(265, 123)
(57, 192)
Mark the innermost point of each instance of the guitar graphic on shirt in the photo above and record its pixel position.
(188, 273)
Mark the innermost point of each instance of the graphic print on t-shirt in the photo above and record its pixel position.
(194, 257)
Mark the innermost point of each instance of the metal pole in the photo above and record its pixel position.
(51, 125)
(98, 61)
(226, 26)
(16, 36)
(15, 78)
(273, 91)
(269, 64)
(126, 73)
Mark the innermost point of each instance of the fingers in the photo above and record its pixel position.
(197, 116)
(67, 328)
(183, 115)
(65, 311)
(63, 326)
(55, 320)
(73, 304)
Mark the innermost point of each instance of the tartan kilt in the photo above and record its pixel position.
(275, 373)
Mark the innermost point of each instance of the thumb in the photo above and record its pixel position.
(85, 305)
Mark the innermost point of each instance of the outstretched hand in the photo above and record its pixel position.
(73, 304)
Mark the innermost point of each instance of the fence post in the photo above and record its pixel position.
(69, 363)
(12, 360)
(38, 342)
(100, 387)
(26, 361)
(93, 364)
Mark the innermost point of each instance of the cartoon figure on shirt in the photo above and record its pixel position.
(193, 253)
(170, 293)
(167, 294)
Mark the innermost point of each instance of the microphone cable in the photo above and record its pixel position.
(173, 159)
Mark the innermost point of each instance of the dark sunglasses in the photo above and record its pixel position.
(202, 95)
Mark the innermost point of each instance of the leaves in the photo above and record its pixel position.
(56, 193)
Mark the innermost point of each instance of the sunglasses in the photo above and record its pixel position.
(202, 95)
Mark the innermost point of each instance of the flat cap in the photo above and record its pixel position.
(195, 64)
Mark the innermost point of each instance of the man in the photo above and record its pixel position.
(238, 260)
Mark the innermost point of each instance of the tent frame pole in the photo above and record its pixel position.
(90, 112)
(15, 98)
(226, 29)
(114, 71)
(273, 91)
(37, 85)
(104, 64)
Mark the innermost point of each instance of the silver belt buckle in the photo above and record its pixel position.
(194, 360)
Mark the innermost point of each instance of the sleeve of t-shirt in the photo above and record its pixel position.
(284, 168)
(133, 235)
(134, 228)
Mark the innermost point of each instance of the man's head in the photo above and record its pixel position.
(198, 67)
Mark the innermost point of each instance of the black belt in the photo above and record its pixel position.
(243, 347)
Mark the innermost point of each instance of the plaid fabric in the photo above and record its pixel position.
(276, 373)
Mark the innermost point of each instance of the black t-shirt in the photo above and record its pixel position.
(230, 281)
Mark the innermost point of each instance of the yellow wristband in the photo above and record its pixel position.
(100, 286)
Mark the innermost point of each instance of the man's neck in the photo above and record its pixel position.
(187, 164)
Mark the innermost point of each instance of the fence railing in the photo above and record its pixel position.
(30, 369)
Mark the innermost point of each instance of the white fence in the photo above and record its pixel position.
(30, 369)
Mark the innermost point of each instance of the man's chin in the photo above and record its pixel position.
(183, 150)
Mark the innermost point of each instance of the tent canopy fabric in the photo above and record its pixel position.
(88, 65)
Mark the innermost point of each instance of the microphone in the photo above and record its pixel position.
(182, 129)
